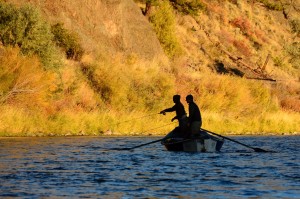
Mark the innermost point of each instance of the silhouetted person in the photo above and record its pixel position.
(194, 119)
(180, 116)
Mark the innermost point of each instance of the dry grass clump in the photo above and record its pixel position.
(291, 103)
(288, 95)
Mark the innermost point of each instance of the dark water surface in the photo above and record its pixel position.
(82, 167)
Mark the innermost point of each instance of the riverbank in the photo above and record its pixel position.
(137, 135)
(17, 123)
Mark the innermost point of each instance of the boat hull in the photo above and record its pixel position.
(204, 143)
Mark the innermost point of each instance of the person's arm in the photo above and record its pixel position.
(175, 118)
(168, 110)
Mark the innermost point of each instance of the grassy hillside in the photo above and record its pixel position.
(248, 31)
(215, 50)
(105, 27)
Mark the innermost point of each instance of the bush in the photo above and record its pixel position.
(163, 21)
(295, 26)
(271, 6)
(294, 51)
(242, 47)
(25, 28)
(190, 7)
(244, 25)
(67, 40)
(279, 61)
(291, 103)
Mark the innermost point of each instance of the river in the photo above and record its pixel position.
(85, 167)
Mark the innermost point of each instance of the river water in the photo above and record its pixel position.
(85, 167)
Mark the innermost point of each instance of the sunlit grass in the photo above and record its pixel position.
(120, 98)
(269, 123)
(16, 122)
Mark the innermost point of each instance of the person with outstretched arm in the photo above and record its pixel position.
(194, 120)
(180, 116)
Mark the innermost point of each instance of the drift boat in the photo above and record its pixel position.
(202, 143)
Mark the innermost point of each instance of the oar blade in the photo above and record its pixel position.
(262, 150)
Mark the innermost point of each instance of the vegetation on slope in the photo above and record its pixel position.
(24, 27)
(95, 94)
(163, 21)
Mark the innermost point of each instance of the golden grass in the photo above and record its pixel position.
(227, 94)
(73, 105)
(24, 82)
(130, 87)
(278, 123)
(17, 122)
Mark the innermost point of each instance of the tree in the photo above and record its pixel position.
(25, 28)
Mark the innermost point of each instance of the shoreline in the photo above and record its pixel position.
(147, 135)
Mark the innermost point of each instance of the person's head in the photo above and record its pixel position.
(189, 98)
(176, 98)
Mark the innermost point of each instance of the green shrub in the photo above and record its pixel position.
(24, 27)
(190, 7)
(279, 61)
(295, 26)
(271, 6)
(163, 21)
(67, 40)
(294, 51)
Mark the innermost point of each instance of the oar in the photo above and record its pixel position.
(232, 140)
(145, 143)
(142, 145)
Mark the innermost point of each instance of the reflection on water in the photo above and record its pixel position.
(74, 167)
